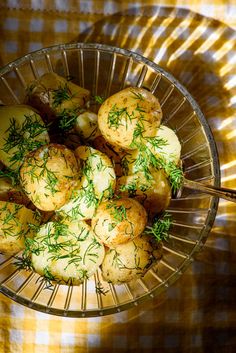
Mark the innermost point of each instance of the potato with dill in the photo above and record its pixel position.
(66, 252)
(153, 193)
(130, 260)
(129, 115)
(21, 130)
(163, 148)
(97, 182)
(53, 95)
(49, 175)
(15, 226)
(118, 221)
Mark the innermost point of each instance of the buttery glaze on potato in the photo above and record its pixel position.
(21, 130)
(154, 194)
(118, 221)
(48, 176)
(130, 260)
(53, 95)
(125, 112)
(15, 221)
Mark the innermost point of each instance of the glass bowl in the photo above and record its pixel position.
(105, 70)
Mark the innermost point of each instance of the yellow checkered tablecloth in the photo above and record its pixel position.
(198, 313)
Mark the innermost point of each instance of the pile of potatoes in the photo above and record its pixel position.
(82, 201)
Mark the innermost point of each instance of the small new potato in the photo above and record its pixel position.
(117, 221)
(154, 194)
(53, 95)
(122, 115)
(15, 223)
(97, 182)
(86, 126)
(66, 252)
(97, 169)
(49, 175)
(130, 260)
(21, 130)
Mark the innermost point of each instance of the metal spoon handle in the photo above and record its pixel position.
(224, 193)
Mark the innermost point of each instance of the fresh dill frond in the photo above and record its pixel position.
(115, 115)
(99, 99)
(67, 119)
(61, 94)
(160, 228)
(24, 137)
(23, 263)
(137, 95)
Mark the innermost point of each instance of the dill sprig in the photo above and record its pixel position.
(99, 99)
(61, 94)
(160, 228)
(23, 263)
(67, 119)
(23, 137)
(115, 115)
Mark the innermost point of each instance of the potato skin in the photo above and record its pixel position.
(46, 95)
(118, 221)
(66, 252)
(130, 260)
(121, 114)
(14, 226)
(16, 127)
(48, 176)
(153, 194)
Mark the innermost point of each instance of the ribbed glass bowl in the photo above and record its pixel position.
(105, 70)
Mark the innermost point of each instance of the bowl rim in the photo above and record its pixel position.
(215, 166)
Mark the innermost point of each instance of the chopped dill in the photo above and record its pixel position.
(24, 137)
(61, 94)
(160, 228)
(115, 115)
(138, 95)
(99, 99)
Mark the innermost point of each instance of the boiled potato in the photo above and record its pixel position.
(53, 95)
(15, 221)
(98, 170)
(21, 131)
(82, 204)
(172, 148)
(154, 194)
(130, 260)
(168, 148)
(117, 221)
(97, 182)
(49, 175)
(86, 125)
(129, 115)
(67, 252)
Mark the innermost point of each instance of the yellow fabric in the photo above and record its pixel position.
(197, 313)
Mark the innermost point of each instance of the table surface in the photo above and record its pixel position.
(198, 312)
